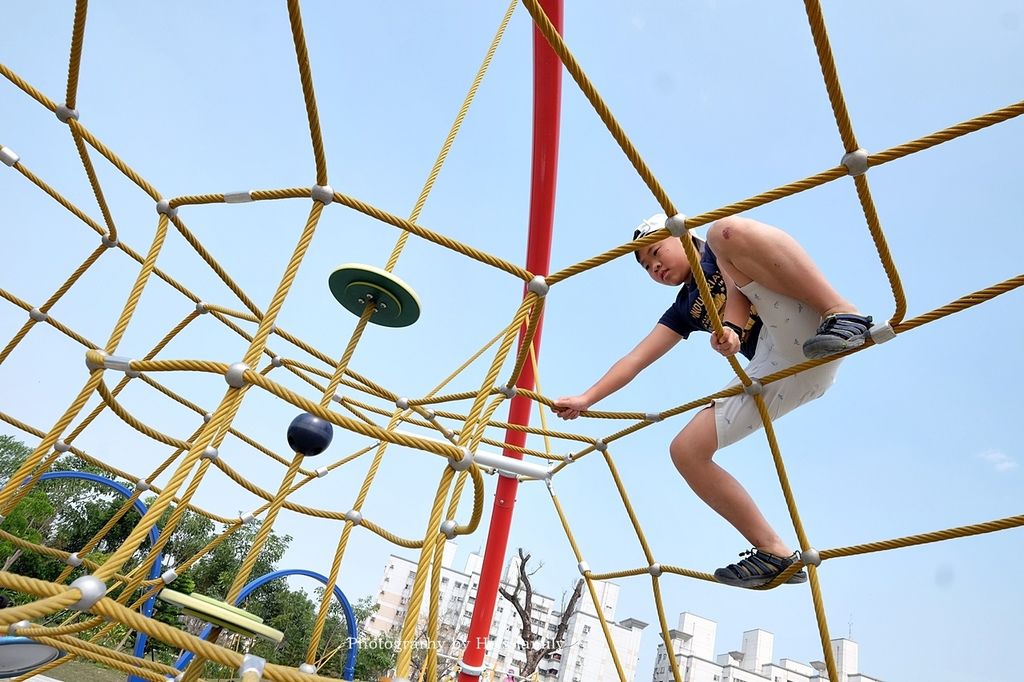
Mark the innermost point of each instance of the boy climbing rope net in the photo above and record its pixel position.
(777, 310)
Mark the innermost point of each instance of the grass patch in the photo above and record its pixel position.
(82, 671)
(85, 671)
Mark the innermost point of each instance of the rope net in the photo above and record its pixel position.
(332, 390)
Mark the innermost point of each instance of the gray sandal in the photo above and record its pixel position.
(837, 333)
(759, 568)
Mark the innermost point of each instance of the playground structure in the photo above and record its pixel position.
(460, 439)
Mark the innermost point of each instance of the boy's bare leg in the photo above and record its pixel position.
(748, 250)
(692, 451)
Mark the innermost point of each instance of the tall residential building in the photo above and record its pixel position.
(583, 657)
(693, 642)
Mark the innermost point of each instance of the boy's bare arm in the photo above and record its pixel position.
(653, 346)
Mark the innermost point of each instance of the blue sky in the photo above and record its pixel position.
(723, 100)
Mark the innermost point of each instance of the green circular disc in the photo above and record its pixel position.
(353, 283)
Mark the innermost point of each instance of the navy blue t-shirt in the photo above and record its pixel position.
(688, 314)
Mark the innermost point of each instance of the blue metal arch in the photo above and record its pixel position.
(349, 669)
(154, 535)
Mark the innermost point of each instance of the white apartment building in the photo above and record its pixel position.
(584, 655)
(693, 642)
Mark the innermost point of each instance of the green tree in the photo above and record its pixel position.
(32, 520)
(294, 615)
(189, 537)
(376, 656)
(214, 573)
(12, 453)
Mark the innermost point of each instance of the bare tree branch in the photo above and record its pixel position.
(524, 606)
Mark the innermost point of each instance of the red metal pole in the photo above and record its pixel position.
(547, 92)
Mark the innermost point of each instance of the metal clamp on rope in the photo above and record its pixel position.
(856, 162)
(448, 528)
(810, 557)
(8, 156)
(322, 193)
(92, 589)
(462, 463)
(539, 286)
(163, 207)
(237, 197)
(65, 113)
(252, 664)
(12, 629)
(676, 225)
(881, 333)
(235, 376)
(97, 359)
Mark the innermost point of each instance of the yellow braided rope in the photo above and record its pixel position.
(306, 76)
(75, 60)
(830, 74)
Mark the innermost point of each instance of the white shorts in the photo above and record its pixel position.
(787, 324)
